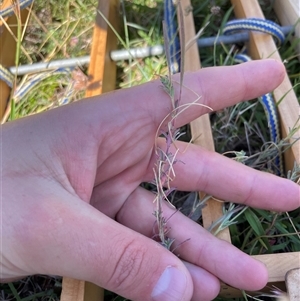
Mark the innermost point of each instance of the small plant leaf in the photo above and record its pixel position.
(257, 228)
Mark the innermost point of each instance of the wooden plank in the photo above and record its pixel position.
(279, 264)
(72, 290)
(78, 290)
(102, 70)
(292, 280)
(263, 46)
(102, 78)
(201, 128)
(8, 50)
(4, 5)
(288, 13)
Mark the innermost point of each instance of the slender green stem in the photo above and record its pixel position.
(17, 57)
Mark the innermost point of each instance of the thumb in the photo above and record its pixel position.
(85, 244)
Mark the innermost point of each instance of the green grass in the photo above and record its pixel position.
(55, 31)
(64, 29)
(33, 288)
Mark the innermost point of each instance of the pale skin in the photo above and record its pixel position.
(99, 150)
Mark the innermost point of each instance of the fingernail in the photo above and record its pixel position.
(170, 286)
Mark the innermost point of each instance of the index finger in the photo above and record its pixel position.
(218, 87)
(147, 105)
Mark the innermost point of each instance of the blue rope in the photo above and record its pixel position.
(267, 100)
(170, 17)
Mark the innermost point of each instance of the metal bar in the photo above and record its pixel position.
(142, 52)
(43, 66)
(133, 53)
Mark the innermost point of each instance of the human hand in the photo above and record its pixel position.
(99, 150)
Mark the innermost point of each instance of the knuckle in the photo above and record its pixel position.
(129, 268)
